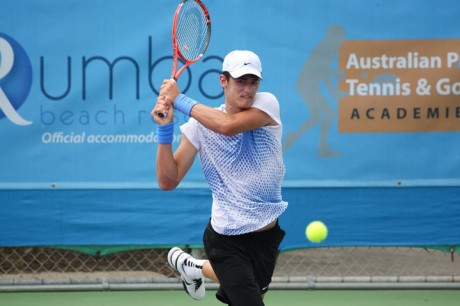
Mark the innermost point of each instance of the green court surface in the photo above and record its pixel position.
(273, 298)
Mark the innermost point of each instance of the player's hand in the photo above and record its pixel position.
(170, 90)
(163, 106)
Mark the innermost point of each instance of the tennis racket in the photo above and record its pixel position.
(191, 33)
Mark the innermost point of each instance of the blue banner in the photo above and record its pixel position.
(369, 95)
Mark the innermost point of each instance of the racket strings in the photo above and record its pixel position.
(193, 33)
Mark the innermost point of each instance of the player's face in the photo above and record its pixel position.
(240, 92)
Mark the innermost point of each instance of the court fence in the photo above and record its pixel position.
(103, 268)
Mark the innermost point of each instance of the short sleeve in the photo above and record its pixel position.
(190, 130)
(268, 103)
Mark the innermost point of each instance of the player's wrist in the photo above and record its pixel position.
(165, 133)
(184, 104)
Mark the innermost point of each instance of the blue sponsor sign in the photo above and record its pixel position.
(369, 95)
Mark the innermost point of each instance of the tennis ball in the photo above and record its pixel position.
(316, 231)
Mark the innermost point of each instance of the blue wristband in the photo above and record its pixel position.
(165, 133)
(184, 104)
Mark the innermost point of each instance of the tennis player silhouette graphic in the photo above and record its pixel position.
(317, 72)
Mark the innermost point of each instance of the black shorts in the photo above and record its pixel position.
(244, 264)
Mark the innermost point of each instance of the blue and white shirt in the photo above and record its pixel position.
(244, 171)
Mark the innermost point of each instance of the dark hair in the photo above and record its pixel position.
(227, 75)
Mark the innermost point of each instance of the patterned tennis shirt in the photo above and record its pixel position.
(244, 171)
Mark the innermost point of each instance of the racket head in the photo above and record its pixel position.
(191, 33)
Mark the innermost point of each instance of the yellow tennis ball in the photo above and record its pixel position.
(316, 231)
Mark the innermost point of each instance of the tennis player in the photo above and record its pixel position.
(239, 144)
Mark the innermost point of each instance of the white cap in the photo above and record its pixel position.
(239, 63)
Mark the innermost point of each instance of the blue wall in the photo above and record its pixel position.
(371, 149)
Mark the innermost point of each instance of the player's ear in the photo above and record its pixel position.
(223, 80)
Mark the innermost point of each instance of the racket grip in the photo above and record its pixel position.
(162, 115)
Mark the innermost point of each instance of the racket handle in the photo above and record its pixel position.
(162, 115)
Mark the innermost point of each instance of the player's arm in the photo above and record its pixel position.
(216, 120)
(230, 124)
(172, 167)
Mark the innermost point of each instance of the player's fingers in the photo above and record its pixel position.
(160, 105)
(159, 114)
(165, 89)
